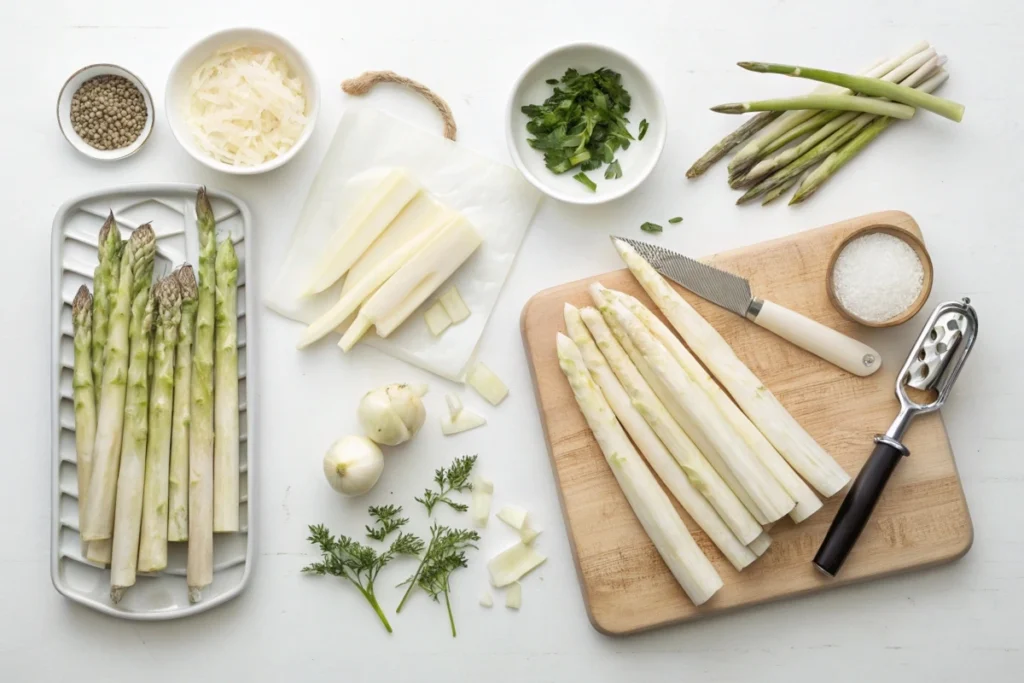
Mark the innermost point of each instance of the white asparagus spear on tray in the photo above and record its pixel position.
(652, 506)
(225, 391)
(685, 482)
(177, 481)
(84, 396)
(806, 502)
(687, 402)
(800, 450)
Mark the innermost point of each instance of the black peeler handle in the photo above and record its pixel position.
(856, 509)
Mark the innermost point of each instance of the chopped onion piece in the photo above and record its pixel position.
(487, 384)
(459, 419)
(514, 596)
(513, 564)
(246, 106)
(437, 319)
(486, 600)
(514, 516)
(480, 504)
(454, 305)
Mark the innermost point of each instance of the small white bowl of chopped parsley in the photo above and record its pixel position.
(585, 124)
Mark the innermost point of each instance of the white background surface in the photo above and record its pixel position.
(960, 182)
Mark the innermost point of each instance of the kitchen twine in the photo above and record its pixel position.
(362, 85)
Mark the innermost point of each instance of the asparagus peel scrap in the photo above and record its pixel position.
(84, 394)
(199, 570)
(105, 281)
(136, 263)
(131, 474)
(153, 538)
(225, 391)
(177, 485)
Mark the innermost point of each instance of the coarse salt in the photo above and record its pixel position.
(878, 276)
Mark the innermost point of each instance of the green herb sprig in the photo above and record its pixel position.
(449, 480)
(445, 553)
(388, 520)
(357, 563)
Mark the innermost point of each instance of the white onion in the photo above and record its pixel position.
(353, 465)
(246, 106)
(393, 414)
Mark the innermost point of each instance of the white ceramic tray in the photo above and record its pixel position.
(170, 207)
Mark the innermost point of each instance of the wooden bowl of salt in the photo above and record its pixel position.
(879, 276)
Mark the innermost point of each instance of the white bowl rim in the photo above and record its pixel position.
(314, 108)
(110, 69)
(597, 198)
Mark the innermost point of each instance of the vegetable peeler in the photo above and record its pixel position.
(933, 365)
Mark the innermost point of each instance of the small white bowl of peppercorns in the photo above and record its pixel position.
(105, 112)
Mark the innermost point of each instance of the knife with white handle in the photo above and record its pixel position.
(733, 293)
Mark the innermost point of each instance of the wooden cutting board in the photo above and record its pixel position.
(921, 520)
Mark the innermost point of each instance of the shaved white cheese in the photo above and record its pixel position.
(459, 419)
(514, 516)
(514, 596)
(486, 600)
(513, 564)
(454, 305)
(480, 504)
(487, 384)
(246, 106)
(437, 319)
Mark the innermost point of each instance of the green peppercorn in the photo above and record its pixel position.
(108, 112)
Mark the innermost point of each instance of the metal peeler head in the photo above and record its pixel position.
(935, 360)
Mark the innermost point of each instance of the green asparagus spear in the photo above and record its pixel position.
(105, 281)
(199, 571)
(225, 391)
(130, 475)
(730, 141)
(772, 195)
(177, 521)
(136, 265)
(84, 396)
(839, 158)
(866, 86)
(809, 126)
(153, 537)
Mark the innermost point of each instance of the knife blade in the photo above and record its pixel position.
(733, 293)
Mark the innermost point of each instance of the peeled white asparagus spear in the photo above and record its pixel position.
(136, 264)
(414, 282)
(792, 442)
(351, 240)
(749, 152)
(806, 502)
(84, 396)
(652, 382)
(704, 472)
(199, 567)
(656, 513)
(131, 474)
(371, 280)
(177, 482)
(760, 544)
(153, 537)
(687, 402)
(225, 391)
(685, 484)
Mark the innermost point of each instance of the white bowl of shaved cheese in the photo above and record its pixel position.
(242, 101)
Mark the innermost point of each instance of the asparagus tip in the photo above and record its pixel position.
(195, 594)
(168, 295)
(759, 67)
(731, 108)
(108, 224)
(82, 301)
(116, 593)
(186, 278)
(203, 208)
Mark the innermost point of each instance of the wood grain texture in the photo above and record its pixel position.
(921, 520)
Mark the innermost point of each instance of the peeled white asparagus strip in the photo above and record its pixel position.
(486, 383)
(514, 596)
(480, 503)
(486, 600)
(675, 476)
(687, 402)
(371, 280)
(411, 284)
(513, 563)
(366, 223)
(528, 534)
(459, 419)
(437, 319)
(652, 506)
(790, 119)
(799, 449)
(513, 515)
(454, 305)
(806, 502)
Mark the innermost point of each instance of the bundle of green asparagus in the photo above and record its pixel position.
(147, 405)
(806, 140)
